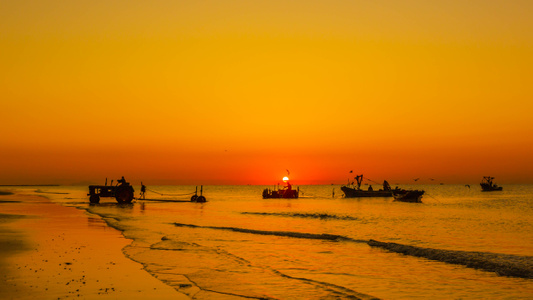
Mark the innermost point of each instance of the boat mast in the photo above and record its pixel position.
(359, 179)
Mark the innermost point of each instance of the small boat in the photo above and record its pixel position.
(285, 192)
(488, 186)
(352, 191)
(412, 196)
(355, 193)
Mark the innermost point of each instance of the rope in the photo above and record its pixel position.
(433, 198)
(372, 180)
(170, 194)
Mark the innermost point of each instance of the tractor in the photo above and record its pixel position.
(123, 192)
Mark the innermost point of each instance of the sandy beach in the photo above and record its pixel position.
(49, 251)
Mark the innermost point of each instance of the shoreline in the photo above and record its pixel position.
(52, 251)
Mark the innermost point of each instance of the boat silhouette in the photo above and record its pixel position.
(413, 196)
(488, 186)
(355, 191)
(285, 192)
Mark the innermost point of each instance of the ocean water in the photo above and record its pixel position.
(461, 243)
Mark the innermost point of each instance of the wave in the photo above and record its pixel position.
(337, 291)
(245, 266)
(502, 264)
(304, 215)
(302, 235)
(53, 193)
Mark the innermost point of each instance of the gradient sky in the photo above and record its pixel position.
(237, 92)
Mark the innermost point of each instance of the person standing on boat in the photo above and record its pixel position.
(289, 186)
(370, 189)
(386, 186)
(143, 190)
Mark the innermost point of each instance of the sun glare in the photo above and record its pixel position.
(285, 179)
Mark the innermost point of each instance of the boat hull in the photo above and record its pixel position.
(287, 194)
(490, 188)
(411, 196)
(356, 193)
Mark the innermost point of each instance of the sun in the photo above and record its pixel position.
(285, 179)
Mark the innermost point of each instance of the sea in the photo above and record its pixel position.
(459, 243)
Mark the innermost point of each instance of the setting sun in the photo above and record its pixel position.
(285, 179)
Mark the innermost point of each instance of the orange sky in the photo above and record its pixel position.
(236, 92)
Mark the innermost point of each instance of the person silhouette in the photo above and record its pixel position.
(143, 190)
(122, 181)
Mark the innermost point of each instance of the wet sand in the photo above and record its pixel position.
(49, 251)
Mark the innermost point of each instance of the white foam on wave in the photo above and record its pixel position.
(502, 264)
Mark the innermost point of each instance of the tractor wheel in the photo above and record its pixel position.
(193, 198)
(94, 199)
(200, 199)
(124, 194)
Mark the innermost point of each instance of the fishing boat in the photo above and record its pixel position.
(488, 186)
(284, 192)
(412, 196)
(355, 191)
(280, 193)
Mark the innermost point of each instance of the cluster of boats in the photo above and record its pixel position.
(354, 190)
(123, 191)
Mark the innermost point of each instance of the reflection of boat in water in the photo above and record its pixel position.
(356, 191)
(285, 192)
(412, 196)
(488, 186)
